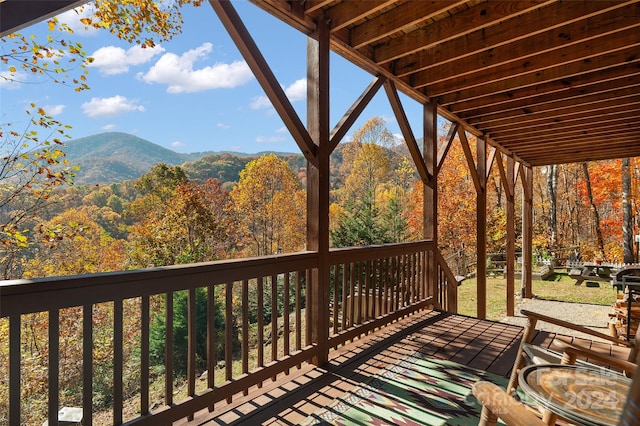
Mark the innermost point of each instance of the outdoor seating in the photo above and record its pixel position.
(531, 353)
(500, 404)
(566, 353)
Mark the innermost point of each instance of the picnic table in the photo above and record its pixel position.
(592, 272)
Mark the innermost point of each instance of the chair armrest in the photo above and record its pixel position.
(512, 412)
(576, 350)
(540, 317)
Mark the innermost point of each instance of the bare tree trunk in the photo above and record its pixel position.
(552, 219)
(594, 209)
(627, 217)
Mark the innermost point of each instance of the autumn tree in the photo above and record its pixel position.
(269, 207)
(72, 243)
(371, 207)
(33, 160)
(178, 221)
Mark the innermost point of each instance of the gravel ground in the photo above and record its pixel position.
(592, 316)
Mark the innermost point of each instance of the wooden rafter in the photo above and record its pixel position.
(498, 67)
(354, 112)
(409, 137)
(249, 50)
(445, 145)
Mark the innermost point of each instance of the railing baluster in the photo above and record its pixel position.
(211, 340)
(87, 364)
(228, 334)
(191, 340)
(352, 292)
(168, 349)
(274, 319)
(144, 355)
(344, 301)
(260, 291)
(117, 362)
(307, 310)
(14, 369)
(367, 290)
(334, 273)
(54, 365)
(385, 277)
(245, 329)
(285, 313)
(299, 312)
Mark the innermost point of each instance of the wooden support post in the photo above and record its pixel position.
(511, 235)
(430, 199)
(526, 175)
(318, 186)
(481, 228)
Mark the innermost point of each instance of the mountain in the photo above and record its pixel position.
(114, 157)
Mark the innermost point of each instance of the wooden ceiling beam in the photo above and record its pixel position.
(580, 155)
(18, 14)
(576, 94)
(475, 100)
(404, 16)
(581, 133)
(605, 106)
(560, 107)
(556, 144)
(349, 12)
(564, 43)
(593, 120)
(604, 114)
(568, 61)
(474, 18)
(527, 25)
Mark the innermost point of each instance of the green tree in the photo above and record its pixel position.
(180, 331)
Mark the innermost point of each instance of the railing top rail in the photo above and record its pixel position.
(355, 254)
(35, 295)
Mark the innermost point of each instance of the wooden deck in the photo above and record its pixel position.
(481, 344)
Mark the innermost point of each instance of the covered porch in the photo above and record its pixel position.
(535, 83)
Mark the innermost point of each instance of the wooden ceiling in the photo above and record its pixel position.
(549, 81)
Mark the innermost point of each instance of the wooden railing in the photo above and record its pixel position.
(371, 286)
(255, 326)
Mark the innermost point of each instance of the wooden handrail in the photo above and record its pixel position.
(371, 287)
(450, 284)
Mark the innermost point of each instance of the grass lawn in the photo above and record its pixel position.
(557, 287)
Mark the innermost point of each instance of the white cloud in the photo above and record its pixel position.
(54, 109)
(282, 129)
(297, 91)
(223, 126)
(72, 19)
(111, 60)
(110, 107)
(178, 144)
(271, 139)
(108, 127)
(178, 72)
(260, 102)
(12, 80)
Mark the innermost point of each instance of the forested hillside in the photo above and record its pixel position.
(114, 157)
(224, 206)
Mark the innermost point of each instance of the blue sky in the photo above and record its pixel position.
(194, 93)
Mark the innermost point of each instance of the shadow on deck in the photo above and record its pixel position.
(480, 344)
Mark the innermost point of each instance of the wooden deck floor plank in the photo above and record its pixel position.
(288, 401)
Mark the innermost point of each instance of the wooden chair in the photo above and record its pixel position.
(499, 404)
(569, 354)
(530, 353)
